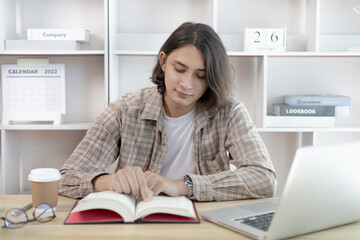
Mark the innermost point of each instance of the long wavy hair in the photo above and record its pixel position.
(218, 68)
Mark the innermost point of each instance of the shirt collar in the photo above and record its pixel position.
(153, 110)
(153, 104)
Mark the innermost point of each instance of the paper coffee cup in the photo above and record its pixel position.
(44, 183)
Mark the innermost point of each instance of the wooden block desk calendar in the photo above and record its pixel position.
(33, 91)
(265, 40)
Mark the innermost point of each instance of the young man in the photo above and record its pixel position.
(178, 138)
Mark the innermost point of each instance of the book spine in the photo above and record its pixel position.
(308, 111)
(318, 100)
(58, 34)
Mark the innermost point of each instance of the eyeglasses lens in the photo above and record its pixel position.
(43, 213)
(15, 218)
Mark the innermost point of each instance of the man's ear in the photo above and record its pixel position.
(162, 59)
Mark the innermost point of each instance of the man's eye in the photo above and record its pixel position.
(200, 76)
(179, 70)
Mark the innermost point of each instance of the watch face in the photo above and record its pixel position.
(188, 180)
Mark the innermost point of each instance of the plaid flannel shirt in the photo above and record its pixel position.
(132, 129)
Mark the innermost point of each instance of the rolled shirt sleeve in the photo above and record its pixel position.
(254, 177)
(97, 150)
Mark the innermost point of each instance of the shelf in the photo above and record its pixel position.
(252, 54)
(315, 54)
(155, 53)
(296, 54)
(58, 53)
(338, 129)
(135, 53)
(66, 126)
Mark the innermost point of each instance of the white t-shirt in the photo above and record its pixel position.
(179, 158)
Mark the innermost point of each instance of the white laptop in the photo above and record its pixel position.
(322, 191)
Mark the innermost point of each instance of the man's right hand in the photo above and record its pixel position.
(128, 180)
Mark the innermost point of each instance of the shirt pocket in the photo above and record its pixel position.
(214, 161)
(213, 158)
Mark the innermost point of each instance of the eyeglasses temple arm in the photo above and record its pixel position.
(16, 213)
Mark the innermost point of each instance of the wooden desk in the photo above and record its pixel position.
(205, 230)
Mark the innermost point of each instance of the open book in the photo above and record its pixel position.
(110, 207)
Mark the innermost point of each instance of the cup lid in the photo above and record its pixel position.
(44, 175)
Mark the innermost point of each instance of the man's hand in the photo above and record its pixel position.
(129, 180)
(159, 184)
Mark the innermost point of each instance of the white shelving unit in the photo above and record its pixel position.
(321, 37)
(27, 146)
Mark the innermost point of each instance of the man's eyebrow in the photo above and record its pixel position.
(180, 63)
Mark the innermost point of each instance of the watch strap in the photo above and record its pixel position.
(188, 181)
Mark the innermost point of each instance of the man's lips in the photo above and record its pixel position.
(182, 94)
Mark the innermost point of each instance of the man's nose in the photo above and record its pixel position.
(187, 81)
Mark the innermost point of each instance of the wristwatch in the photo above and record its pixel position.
(188, 181)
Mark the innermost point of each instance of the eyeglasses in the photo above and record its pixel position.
(17, 217)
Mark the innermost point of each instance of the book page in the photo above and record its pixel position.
(180, 206)
(122, 204)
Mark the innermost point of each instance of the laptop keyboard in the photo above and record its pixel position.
(261, 221)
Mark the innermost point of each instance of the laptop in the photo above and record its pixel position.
(322, 191)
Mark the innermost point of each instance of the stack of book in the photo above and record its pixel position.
(49, 39)
(309, 111)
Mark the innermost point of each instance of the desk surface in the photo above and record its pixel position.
(205, 230)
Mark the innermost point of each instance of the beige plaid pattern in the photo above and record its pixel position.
(131, 129)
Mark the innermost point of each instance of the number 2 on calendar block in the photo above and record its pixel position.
(257, 37)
